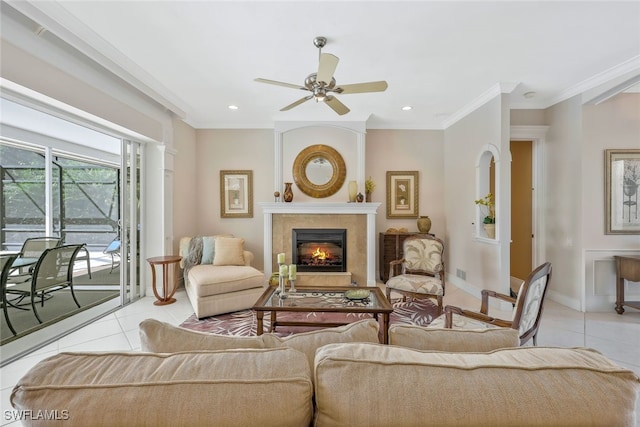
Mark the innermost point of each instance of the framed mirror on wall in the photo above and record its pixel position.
(319, 171)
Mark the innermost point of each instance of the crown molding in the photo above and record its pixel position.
(491, 93)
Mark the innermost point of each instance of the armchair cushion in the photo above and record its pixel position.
(453, 340)
(461, 322)
(229, 251)
(416, 283)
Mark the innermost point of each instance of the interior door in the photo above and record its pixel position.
(521, 208)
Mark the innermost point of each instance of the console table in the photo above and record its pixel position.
(627, 267)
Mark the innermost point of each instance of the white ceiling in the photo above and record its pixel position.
(442, 58)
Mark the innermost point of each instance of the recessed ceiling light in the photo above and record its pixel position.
(529, 95)
(232, 107)
(407, 108)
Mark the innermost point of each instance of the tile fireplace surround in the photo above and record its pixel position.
(358, 218)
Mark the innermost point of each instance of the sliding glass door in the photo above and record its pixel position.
(131, 226)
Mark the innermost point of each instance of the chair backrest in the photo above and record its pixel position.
(6, 260)
(530, 302)
(113, 247)
(34, 246)
(423, 254)
(54, 267)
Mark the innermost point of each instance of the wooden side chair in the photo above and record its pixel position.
(52, 272)
(527, 310)
(422, 270)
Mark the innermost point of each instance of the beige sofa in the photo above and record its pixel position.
(351, 381)
(220, 279)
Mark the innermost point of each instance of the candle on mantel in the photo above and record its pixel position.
(281, 258)
(292, 272)
(283, 270)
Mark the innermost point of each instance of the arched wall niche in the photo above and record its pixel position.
(487, 175)
(347, 138)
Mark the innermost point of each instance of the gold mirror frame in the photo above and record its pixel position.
(300, 167)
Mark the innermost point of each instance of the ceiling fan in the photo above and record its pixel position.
(322, 84)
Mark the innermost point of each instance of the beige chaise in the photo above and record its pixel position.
(223, 280)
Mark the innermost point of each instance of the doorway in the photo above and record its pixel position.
(522, 196)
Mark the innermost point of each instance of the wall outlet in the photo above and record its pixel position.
(461, 274)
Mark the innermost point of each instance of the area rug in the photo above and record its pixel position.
(243, 323)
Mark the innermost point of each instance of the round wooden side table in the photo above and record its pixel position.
(165, 262)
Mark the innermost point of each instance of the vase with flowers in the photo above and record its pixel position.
(369, 186)
(489, 221)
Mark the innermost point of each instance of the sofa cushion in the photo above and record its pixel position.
(238, 387)
(161, 337)
(208, 280)
(308, 342)
(453, 340)
(229, 251)
(508, 387)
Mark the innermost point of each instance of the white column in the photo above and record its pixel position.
(371, 249)
(268, 244)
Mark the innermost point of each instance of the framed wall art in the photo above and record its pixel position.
(622, 178)
(236, 194)
(402, 194)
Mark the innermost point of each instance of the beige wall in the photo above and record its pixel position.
(242, 149)
(254, 150)
(463, 145)
(185, 197)
(614, 123)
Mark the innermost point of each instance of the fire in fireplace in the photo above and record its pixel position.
(319, 249)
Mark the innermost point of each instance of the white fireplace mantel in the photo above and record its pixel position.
(329, 208)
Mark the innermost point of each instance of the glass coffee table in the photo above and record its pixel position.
(346, 299)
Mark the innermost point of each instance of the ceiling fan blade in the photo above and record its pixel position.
(336, 105)
(298, 102)
(326, 68)
(380, 86)
(273, 82)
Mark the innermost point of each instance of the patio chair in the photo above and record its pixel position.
(31, 250)
(6, 261)
(53, 271)
(113, 249)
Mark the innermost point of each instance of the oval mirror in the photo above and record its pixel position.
(319, 171)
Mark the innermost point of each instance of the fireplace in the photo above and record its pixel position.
(319, 249)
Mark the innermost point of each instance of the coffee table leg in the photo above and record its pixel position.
(385, 328)
(260, 327)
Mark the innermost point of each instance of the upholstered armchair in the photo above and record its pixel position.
(422, 270)
(527, 310)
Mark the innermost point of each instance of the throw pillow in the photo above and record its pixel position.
(208, 249)
(161, 337)
(452, 340)
(308, 342)
(229, 251)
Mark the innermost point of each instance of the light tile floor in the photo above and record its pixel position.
(618, 337)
